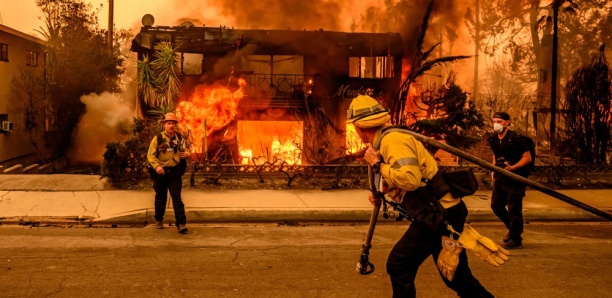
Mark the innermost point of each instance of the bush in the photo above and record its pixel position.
(126, 163)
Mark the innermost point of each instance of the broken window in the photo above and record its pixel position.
(191, 64)
(371, 67)
(277, 75)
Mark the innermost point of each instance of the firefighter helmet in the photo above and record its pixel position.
(169, 117)
(366, 108)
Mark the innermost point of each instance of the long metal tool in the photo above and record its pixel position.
(492, 167)
(364, 266)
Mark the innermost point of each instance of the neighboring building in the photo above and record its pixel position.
(17, 51)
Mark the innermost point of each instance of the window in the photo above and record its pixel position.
(371, 67)
(3, 52)
(31, 58)
(3, 119)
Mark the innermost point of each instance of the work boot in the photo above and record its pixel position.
(511, 244)
(507, 238)
(182, 229)
(159, 225)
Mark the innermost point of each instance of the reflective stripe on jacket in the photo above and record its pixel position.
(407, 164)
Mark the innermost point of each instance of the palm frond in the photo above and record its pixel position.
(428, 65)
(166, 67)
(146, 81)
(425, 55)
(421, 36)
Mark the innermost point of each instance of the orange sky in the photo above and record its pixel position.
(23, 15)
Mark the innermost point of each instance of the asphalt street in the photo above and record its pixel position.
(275, 260)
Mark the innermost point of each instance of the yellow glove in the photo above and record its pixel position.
(449, 257)
(483, 247)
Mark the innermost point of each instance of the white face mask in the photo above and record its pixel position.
(498, 128)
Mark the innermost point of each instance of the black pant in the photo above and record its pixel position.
(506, 193)
(417, 244)
(173, 182)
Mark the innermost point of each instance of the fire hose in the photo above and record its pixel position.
(365, 267)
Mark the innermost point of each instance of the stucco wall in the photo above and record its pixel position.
(17, 142)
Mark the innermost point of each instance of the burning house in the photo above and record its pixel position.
(249, 96)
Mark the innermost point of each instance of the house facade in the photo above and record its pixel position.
(17, 51)
(291, 78)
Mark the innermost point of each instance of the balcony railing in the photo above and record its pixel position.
(278, 85)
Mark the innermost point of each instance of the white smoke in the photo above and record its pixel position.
(107, 118)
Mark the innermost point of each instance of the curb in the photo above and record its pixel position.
(258, 215)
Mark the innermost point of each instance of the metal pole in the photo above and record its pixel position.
(476, 48)
(553, 91)
(364, 266)
(110, 24)
(205, 142)
(492, 167)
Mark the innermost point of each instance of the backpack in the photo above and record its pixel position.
(182, 166)
(530, 146)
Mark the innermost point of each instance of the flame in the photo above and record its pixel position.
(214, 106)
(406, 67)
(272, 141)
(353, 141)
(246, 155)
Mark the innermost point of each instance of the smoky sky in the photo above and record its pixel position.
(402, 16)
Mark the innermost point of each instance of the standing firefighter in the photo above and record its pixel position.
(167, 156)
(408, 174)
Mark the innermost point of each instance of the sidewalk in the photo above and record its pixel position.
(87, 200)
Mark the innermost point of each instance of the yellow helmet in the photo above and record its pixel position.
(366, 109)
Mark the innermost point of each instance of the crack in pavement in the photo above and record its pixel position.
(298, 196)
(98, 205)
(80, 202)
(2, 197)
(36, 205)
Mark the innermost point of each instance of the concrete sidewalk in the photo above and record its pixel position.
(88, 200)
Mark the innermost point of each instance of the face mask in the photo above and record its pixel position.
(498, 128)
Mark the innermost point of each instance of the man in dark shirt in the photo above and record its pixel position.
(512, 154)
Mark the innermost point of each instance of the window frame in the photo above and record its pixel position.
(4, 52)
(372, 67)
(31, 58)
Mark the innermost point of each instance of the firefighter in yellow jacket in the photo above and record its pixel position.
(165, 157)
(406, 167)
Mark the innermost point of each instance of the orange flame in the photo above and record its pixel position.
(261, 141)
(214, 105)
(406, 67)
(353, 141)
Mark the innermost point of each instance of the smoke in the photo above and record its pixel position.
(107, 119)
(288, 14)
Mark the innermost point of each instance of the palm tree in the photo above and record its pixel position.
(420, 65)
(158, 80)
(146, 82)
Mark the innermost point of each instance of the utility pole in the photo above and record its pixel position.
(476, 47)
(553, 90)
(110, 25)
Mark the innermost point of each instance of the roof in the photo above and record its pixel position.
(12, 31)
(222, 40)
